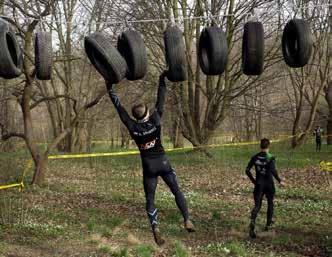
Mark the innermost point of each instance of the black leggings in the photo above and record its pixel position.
(260, 190)
(318, 144)
(150, 185)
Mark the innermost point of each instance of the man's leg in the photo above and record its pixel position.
(258, 197)
(150, 185)
(317, 145)
(171, 181)
(270, 207)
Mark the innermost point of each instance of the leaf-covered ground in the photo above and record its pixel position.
(95, 207)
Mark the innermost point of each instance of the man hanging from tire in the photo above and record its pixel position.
(264, 164)
(146, 132)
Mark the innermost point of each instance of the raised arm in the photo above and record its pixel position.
(161, 94)
(248, 170)
(274, 171)
(124, 116)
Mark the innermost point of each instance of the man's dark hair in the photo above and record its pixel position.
(265, 143)
(139, 111)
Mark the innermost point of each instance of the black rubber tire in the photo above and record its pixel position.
(212, 51)
(43, 55)
(175, 54)
(253, 48)
(10, 53)
(105, 57)
(132, 48)
(296, 43)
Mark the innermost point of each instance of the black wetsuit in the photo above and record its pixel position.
(155, 163)
(318, 135)
(264, 185)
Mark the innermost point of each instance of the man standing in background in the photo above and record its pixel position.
(318, 135)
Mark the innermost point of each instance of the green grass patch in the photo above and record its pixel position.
(281, 240)
(40, 230)
(180, 250)
(230, 248)
(143, 251)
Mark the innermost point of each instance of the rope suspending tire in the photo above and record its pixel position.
(10, 53)
(105, 57)
(296, 43)
(212, 51)
(43, 55)
(175, 54)
(253, 48)
(132, 48)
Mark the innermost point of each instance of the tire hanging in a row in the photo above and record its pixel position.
(296, 46)
(130, 59)
(253, 49)
(11, 55)
(212, 51)
(11, 61)
(297, 43)
(43, 55)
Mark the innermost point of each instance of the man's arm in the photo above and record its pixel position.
(161, 94)
(248, 172)
(124, 116)
(274, 171)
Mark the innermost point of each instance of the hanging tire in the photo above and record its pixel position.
(212, 51)
(175, 54)
(132, 48)
(10, 53)
(105, 57)
(296, 43)
(253, 48)
(43, 55)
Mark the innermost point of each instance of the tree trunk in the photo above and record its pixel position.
(328, 97)
(176, 134)
(40, 170)
(328, 91)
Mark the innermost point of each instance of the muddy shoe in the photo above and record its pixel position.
(157, 237)
(269, 226)
(252, 233)
(189, 226)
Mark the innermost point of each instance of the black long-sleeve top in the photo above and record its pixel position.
(147, 133)
(265, 168)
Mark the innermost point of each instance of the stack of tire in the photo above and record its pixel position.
(11, 56)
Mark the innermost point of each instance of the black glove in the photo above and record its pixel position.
(109, 85)
(163, 75)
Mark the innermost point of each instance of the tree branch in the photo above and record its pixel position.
(50, 98)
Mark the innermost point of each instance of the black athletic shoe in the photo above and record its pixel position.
(252, 233)
(157, 237)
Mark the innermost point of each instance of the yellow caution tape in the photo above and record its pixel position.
(87, 155)
(325, 166)
(21, 184)
(72, 156)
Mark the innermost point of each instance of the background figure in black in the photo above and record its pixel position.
(146, 132)
(264, 164)
(318, 135)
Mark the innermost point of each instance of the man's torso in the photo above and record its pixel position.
(262, 163)
(147, 136)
